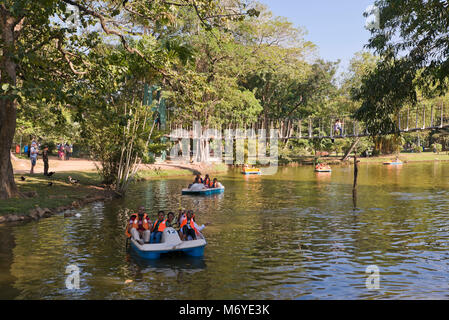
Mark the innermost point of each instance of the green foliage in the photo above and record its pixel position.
(417, 148)
(411, 42)
(437, 147)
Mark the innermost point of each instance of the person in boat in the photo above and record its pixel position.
(170, 223)
(207, 181)
(139, 226)
(189, 229)
(198, 179)
(181, 215)
(214, 184)
(158, 227)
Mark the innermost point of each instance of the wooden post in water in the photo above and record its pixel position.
(356, 172)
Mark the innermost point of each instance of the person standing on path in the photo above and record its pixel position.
(67, 151)
(45, 158)
(61, 151)
(33, 156)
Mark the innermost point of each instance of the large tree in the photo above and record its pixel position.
(45, 48)
(412, 40)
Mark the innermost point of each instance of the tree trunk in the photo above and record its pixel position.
(8, 111)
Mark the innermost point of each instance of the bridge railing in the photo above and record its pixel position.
(419, 118)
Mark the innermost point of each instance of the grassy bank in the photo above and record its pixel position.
(409, 157)
(177, 171)
(38, 193)
(405, 157)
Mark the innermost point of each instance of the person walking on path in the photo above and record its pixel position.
(33, 156)
(61, 151)
(45, 158)
(67, 151)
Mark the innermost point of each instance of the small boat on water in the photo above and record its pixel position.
(251, 171)
(170, 242)
(393, 163)
(199, 189)
(323, 169)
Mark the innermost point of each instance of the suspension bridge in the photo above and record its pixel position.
(408, 121)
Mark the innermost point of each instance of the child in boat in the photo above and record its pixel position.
(158, 228)
(189, 229)
(181, 215)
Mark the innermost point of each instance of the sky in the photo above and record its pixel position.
(337, 27)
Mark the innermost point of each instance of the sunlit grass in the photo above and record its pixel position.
(61, 193)
(410, 157)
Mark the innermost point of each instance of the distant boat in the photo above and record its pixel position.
(251, 171)
(170, 242)
(323, 169)
(393, 163)
(199, 189)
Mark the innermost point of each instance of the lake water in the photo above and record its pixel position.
(294, 235)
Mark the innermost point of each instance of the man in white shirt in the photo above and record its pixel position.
(33, 156)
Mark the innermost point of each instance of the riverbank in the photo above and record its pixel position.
(409, 157)
(45, 196)
(404, 157)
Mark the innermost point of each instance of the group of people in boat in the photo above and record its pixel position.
(322, 166)
(143, 230)
(207, 182)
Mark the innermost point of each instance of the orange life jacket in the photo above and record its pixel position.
(191, 223)
(207, 181)
(135, 223)
(161, 226)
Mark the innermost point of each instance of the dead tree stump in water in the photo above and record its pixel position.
(354, 187)
(356, 172)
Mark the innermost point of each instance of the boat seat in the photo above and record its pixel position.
(170, 236)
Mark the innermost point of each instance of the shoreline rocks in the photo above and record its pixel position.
(40, 213)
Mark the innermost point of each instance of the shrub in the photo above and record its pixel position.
(437, 148)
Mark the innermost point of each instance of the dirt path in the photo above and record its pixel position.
(22, 166)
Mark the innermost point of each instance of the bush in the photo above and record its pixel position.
(437, 148)
(416, 148)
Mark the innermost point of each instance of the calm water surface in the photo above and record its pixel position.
(295, 235)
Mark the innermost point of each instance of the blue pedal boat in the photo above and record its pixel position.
(200, 190)
(170, 242)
